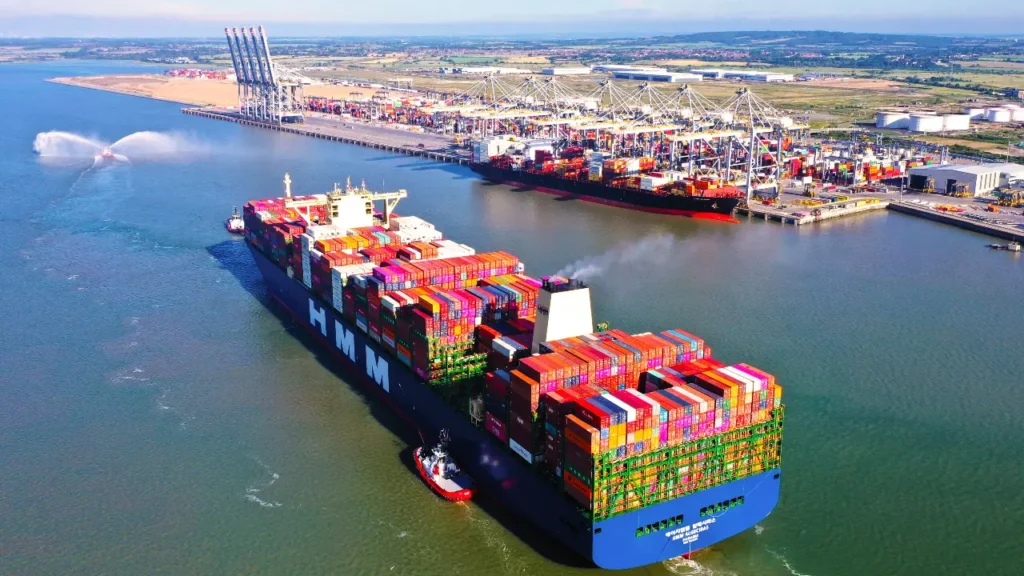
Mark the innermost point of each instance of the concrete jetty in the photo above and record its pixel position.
(1004, 232)
(810, 215)
(430, 146)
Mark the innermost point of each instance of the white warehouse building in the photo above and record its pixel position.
(749, 75)
(566, 71)
(980, 178)
(657, 76)
(626, 68)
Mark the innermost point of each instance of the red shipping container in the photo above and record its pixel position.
(497, 427)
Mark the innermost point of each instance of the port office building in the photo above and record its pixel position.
(673, 77)
(980, 179)
(566, 71)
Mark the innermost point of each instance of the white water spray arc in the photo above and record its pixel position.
(149, 145)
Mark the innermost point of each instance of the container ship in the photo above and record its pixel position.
(628, 449)
(597, 177)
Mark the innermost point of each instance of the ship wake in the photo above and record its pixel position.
(252, 493)
(785, 562)
(689, 567)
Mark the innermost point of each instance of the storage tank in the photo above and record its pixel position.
(894, 120)
(997, 115)
(925, 123)
(975, 113)
(956, 122)
(1017, 114)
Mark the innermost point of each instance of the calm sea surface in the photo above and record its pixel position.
(157, 418)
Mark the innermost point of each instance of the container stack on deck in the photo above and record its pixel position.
(619, 421)
(626, 421)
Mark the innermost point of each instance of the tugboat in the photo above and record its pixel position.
(235, 224)
(440, 472)
(1012, 246)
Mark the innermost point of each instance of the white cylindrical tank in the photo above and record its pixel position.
(925, 123)
(997, 115)
(893, 120)
(956, 122)
(975, 113)
(1017, 114)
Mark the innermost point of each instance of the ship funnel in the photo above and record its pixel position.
(563, 311)
(287, 185)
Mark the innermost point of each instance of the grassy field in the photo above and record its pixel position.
(827, 104)
(992, 64)
(527, 60)
(996, 80)
(821, 104)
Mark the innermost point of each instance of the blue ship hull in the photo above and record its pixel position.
(613, 543)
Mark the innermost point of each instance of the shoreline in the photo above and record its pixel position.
(78, 82)
(439, 148)
(203, 92)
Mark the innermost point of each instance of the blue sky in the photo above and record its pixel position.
(172, 17)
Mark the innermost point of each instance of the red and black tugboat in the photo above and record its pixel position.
(441, 473)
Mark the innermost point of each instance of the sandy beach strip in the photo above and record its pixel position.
(195, 92)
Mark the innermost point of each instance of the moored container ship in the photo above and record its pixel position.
(598, 177)
(628, 449)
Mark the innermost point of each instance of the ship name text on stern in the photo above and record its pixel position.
(689, 534)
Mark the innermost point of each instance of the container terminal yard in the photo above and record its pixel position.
(637, 138)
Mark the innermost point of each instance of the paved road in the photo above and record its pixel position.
(380, 134)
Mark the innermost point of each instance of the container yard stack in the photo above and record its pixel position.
(619, 436)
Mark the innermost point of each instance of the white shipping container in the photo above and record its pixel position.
(419, 235)
(653, 182)
(630, 411)
(337, 294)
(752, 384)
(325, 231)
(390, 304)
(655, 407)
(399, 223)
(340, 275)
(504, 348)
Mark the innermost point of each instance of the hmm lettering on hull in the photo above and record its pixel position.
(377, 368)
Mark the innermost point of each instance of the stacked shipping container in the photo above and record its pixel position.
(621, 421)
